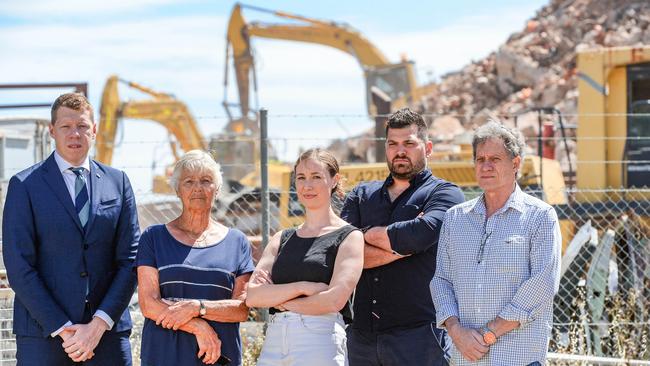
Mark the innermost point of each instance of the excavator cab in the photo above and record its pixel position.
(395, 80)
(637, 149)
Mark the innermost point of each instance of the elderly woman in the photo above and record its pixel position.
(192, 274)
(306, 275)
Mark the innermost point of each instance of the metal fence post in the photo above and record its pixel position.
(264, 167)
(264, 190)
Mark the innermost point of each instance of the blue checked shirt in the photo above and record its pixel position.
(514, 276)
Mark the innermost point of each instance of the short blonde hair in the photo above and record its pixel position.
(196, 161)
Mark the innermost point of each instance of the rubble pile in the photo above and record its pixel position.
(535, 68)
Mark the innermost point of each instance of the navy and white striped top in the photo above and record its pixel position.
(206, 273)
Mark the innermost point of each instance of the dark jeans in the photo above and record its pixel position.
(421, 346)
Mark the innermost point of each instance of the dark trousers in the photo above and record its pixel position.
(113, 349)
(421, 346)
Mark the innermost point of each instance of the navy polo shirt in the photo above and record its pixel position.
(396, 295)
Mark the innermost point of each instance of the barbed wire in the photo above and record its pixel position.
(426, 115)
(573, 190)
(463, 115)
(600, 324)
(342, 163)
(367, 138)
(161, 165)
(612, 161)
(606, 190)
(530, 139)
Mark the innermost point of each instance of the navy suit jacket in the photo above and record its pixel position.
(49, 256)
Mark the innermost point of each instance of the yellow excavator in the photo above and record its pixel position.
(161, 107)
(396, 80)
(613, 107)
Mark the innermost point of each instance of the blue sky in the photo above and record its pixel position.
(177, 46)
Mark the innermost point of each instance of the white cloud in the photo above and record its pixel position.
(303, 78)
(181, 55)
(451, 47)
(37, 9)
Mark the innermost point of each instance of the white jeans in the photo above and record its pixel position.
(295, 339)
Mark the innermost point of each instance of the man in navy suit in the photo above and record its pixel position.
(70, 234)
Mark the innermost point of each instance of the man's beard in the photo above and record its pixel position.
(407, 170)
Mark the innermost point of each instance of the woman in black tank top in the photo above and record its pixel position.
(306, 275)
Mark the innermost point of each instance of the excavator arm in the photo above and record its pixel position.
(162, 108)
(332, 34)
(396, 80)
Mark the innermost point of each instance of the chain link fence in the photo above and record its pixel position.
(603, 303)
(601, 309)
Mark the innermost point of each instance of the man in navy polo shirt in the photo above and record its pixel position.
(394, 318)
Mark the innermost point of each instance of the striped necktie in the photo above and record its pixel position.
(81, 201)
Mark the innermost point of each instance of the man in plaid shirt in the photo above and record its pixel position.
(498, 262)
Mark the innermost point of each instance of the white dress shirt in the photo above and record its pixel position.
(69, 177)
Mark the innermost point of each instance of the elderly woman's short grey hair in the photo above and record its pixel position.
(196, 161)
(513, 140)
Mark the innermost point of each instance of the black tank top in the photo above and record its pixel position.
(309, 259)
